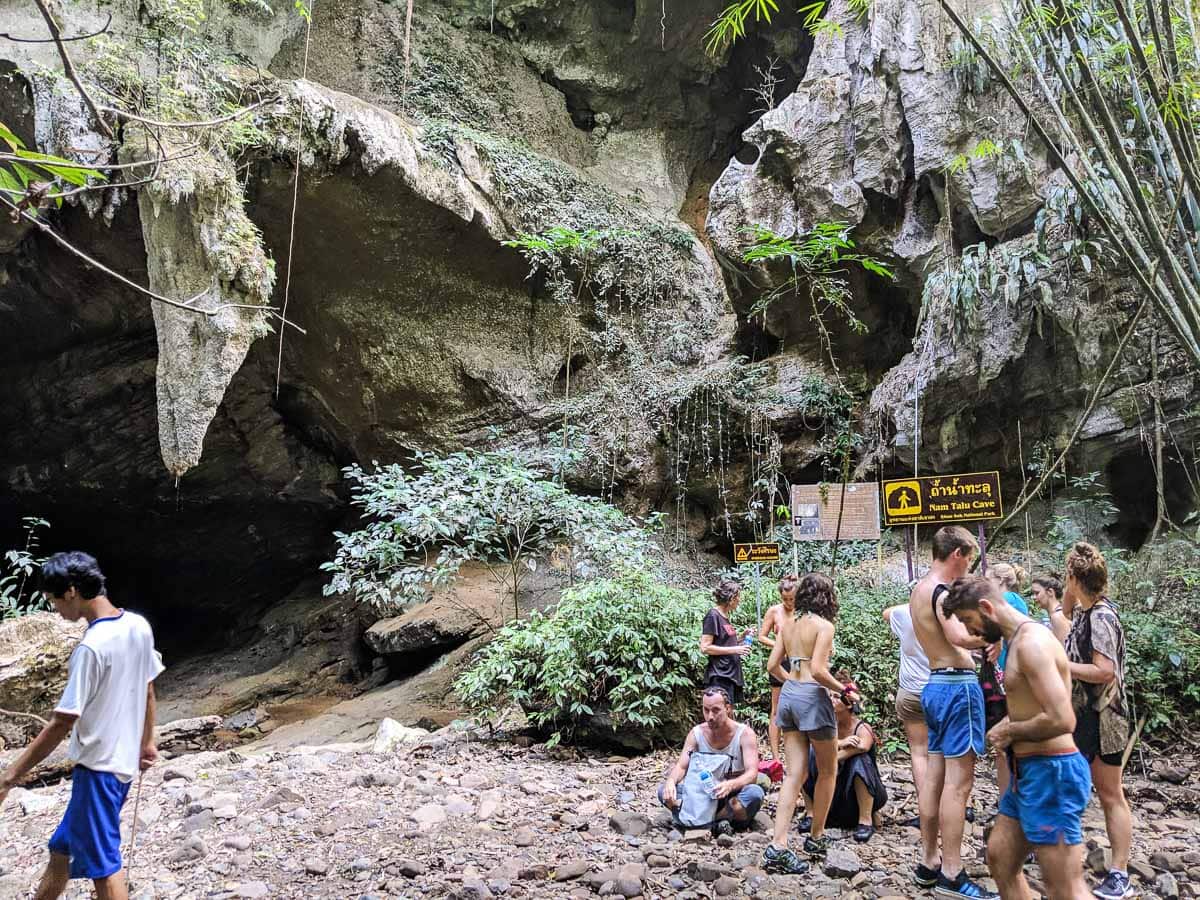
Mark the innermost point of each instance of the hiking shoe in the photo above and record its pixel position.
(1114, 887)
(805, 825)
(864, 833)
(962, 886)
(783, 862)
(926, 877)
(816, 846)
(722, 826)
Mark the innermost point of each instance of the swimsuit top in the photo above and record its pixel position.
(799, 659)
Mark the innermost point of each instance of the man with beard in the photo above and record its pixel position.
(954, 717)
(1051, 782)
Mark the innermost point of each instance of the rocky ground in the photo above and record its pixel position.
(452, 814)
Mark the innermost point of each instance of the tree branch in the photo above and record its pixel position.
(1127, 247)
(1087, 413)
(50, 40)
(45, 228)
(69, 68)
(23, 715)
(105, 167)
(220, 120)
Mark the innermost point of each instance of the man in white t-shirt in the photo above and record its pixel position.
(108, 708)
(914, 675)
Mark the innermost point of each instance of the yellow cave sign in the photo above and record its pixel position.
(935, 499)
(755, 553)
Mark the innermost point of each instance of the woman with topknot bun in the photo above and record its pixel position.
(1096, 651)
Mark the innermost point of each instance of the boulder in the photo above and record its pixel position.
(34, 651)
(392, 736)
(451, 618)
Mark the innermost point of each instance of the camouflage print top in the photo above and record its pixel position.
(1098, 630)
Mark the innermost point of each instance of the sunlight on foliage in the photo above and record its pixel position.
(498, 507)
(28, 177)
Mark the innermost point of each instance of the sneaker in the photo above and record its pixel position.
(783, 862)
(816, 846)
(962, 886)
(864, 833)
(926, 877)
(805, 825)
(1114, 887)
(722, 826)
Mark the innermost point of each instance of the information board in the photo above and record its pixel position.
(815, 512)
(941, 499)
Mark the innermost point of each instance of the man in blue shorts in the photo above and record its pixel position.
(1051, 782)
(953, 704)
(108, 709)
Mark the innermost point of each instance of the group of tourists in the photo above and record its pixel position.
(976, 670)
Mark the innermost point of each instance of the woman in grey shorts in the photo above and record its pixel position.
(806, 714)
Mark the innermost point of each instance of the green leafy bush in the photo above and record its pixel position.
(17, 594)
(622, 654)
(618, 653)
(499, 506)
(1162, 668)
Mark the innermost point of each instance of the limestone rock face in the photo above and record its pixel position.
(193, 251)
(1023, 359)
(878, 114)
(423, 330)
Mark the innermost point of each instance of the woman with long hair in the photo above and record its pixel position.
(722, 643)
(1096, 654)
(806, 716)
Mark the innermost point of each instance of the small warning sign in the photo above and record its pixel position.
(935, 499)
(755, 553)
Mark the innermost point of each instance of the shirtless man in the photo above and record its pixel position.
(953, 705)
(1051, 782)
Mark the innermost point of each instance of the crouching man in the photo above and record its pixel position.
(713, 781)
(1050, 783)
(108, 709)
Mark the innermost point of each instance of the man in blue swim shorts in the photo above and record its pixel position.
(108, 709)
(953, 704)
(1051, 782)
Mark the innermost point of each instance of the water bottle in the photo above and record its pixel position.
(749, 640)
(708, 783)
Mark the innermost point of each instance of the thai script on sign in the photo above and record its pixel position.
(933, 499)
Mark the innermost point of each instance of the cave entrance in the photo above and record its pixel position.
(1132, 483)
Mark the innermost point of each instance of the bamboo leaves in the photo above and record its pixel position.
(1118, 81)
